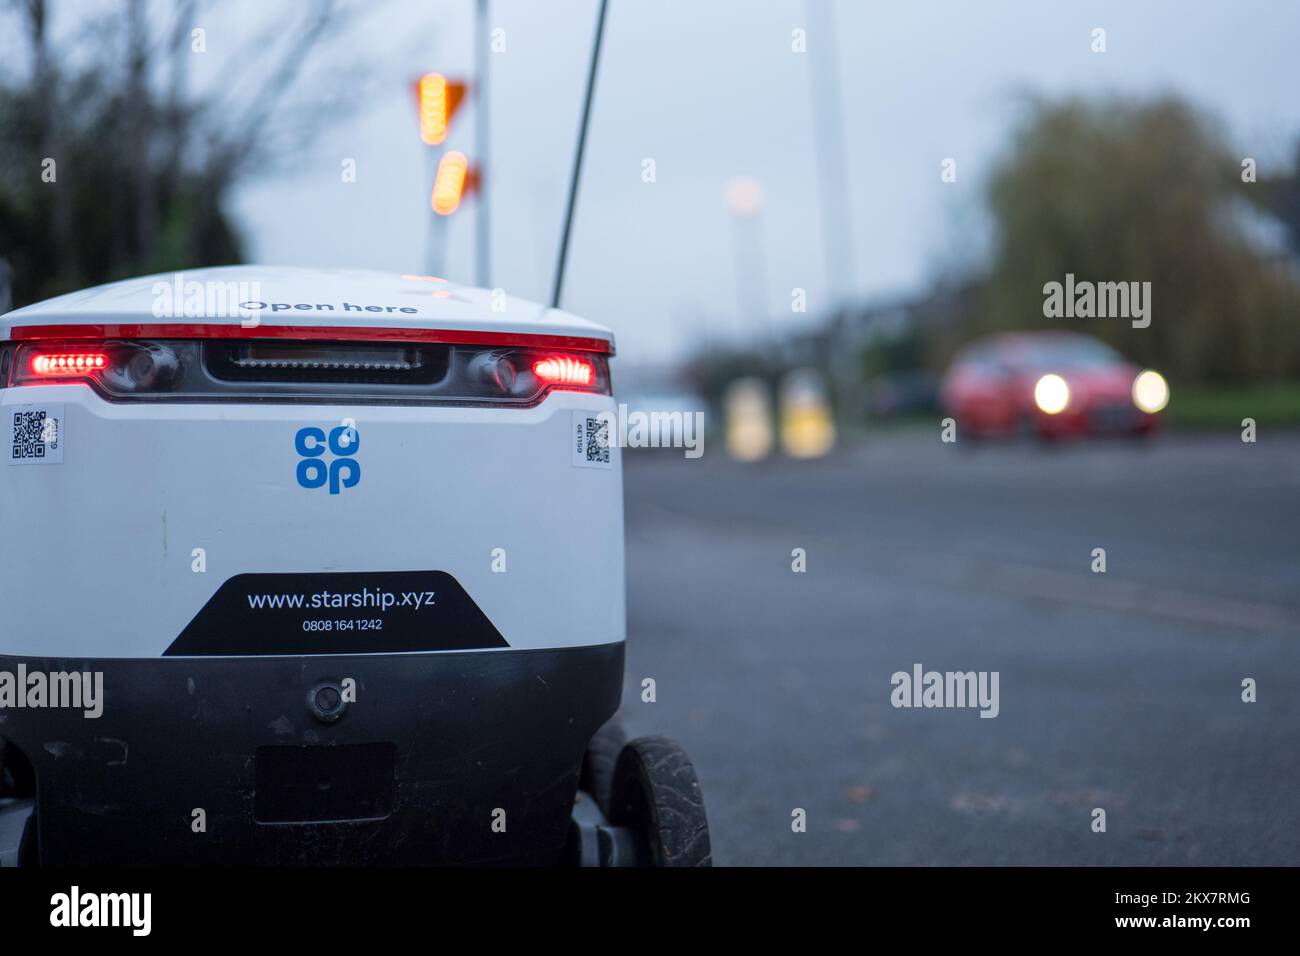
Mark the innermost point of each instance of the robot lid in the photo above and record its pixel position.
(335, 304)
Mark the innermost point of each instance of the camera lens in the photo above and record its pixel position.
(325, 701)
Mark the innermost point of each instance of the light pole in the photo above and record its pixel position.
(435, 250)
(744, 199)
(437, 99)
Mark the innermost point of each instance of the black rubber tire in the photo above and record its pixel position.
(657, 795)
(597, 776)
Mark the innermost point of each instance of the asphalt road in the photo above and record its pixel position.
(1119, 690)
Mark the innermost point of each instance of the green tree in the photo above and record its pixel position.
(1278, 192)
(1141, 191)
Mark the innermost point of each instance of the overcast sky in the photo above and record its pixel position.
(711, 90)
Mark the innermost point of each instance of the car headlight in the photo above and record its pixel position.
(1051, 394)
(1150, 391)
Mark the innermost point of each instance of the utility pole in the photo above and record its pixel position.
(832, 176)
(482, 122)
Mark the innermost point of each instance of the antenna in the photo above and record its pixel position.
(577, 159)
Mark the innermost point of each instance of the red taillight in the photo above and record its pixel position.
(563, 370)
(68, 363)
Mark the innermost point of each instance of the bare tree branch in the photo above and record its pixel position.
(233, 152)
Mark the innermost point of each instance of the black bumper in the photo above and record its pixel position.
(416, 770)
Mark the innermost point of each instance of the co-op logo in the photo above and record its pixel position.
(343, 471)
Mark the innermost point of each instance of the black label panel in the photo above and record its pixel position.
(363, 612)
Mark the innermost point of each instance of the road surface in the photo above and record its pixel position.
(1120, 691)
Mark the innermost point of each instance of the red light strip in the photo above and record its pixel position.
(29, 333)
(71, 363)
(563, 370)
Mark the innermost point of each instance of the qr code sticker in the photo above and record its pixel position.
(598, 440)
(36, 436)
(591, 440)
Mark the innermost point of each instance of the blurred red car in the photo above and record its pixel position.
(1050, 384)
